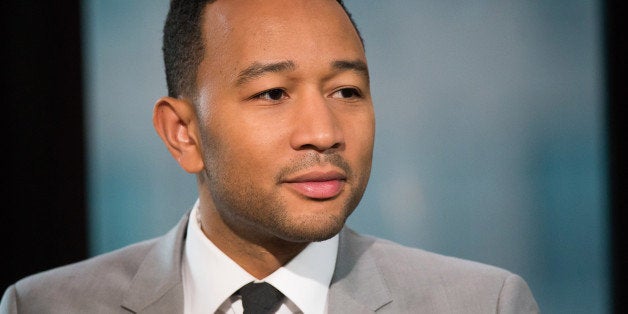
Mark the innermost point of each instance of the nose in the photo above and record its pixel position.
(316, 125)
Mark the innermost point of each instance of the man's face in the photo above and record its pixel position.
(285, 115)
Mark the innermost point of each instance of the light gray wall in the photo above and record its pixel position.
(489, 145)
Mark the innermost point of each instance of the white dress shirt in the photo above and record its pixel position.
(210, 277)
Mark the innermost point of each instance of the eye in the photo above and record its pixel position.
(347, 93)
(274, 94)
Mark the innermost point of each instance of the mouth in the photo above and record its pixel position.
(319, 185)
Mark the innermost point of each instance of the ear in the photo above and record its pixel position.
(176, 123)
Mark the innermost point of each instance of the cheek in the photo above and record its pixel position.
(247, 143)
(266, 130)
(360, 134)
(360, 142)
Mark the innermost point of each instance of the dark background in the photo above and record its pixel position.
(617, 85)
(44, 213)
(44, 218)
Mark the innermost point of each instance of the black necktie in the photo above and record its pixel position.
(260, 298)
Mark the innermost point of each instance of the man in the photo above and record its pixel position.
(269, 105)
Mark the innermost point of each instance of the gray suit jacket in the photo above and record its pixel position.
(371, 275)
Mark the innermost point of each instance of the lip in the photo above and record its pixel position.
(318, 185)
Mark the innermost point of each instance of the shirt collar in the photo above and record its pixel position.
(305, 279)
(210, 276)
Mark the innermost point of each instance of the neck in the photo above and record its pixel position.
(258, 254)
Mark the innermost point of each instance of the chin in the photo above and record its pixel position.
(312, 228)
(314, 221)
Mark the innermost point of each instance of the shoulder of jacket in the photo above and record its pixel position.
(113, 270)
(394, 256)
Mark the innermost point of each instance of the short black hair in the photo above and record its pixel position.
(183, 46)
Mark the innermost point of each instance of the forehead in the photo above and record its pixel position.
(277, 29)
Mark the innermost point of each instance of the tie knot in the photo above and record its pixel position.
(260, 298)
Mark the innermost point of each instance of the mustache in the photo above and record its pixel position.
(314, 159)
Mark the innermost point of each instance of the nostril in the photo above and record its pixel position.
(319, 148)
(308, 146)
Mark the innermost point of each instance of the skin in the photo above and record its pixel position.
(280, 133)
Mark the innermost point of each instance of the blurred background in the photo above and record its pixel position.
(499, 135)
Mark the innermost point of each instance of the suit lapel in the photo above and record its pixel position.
(357, 285)
(157, 285)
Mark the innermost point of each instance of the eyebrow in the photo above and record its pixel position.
(355, 65)
(258, 69)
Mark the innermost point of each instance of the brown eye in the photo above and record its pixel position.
(272, 94)
(347, 93)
